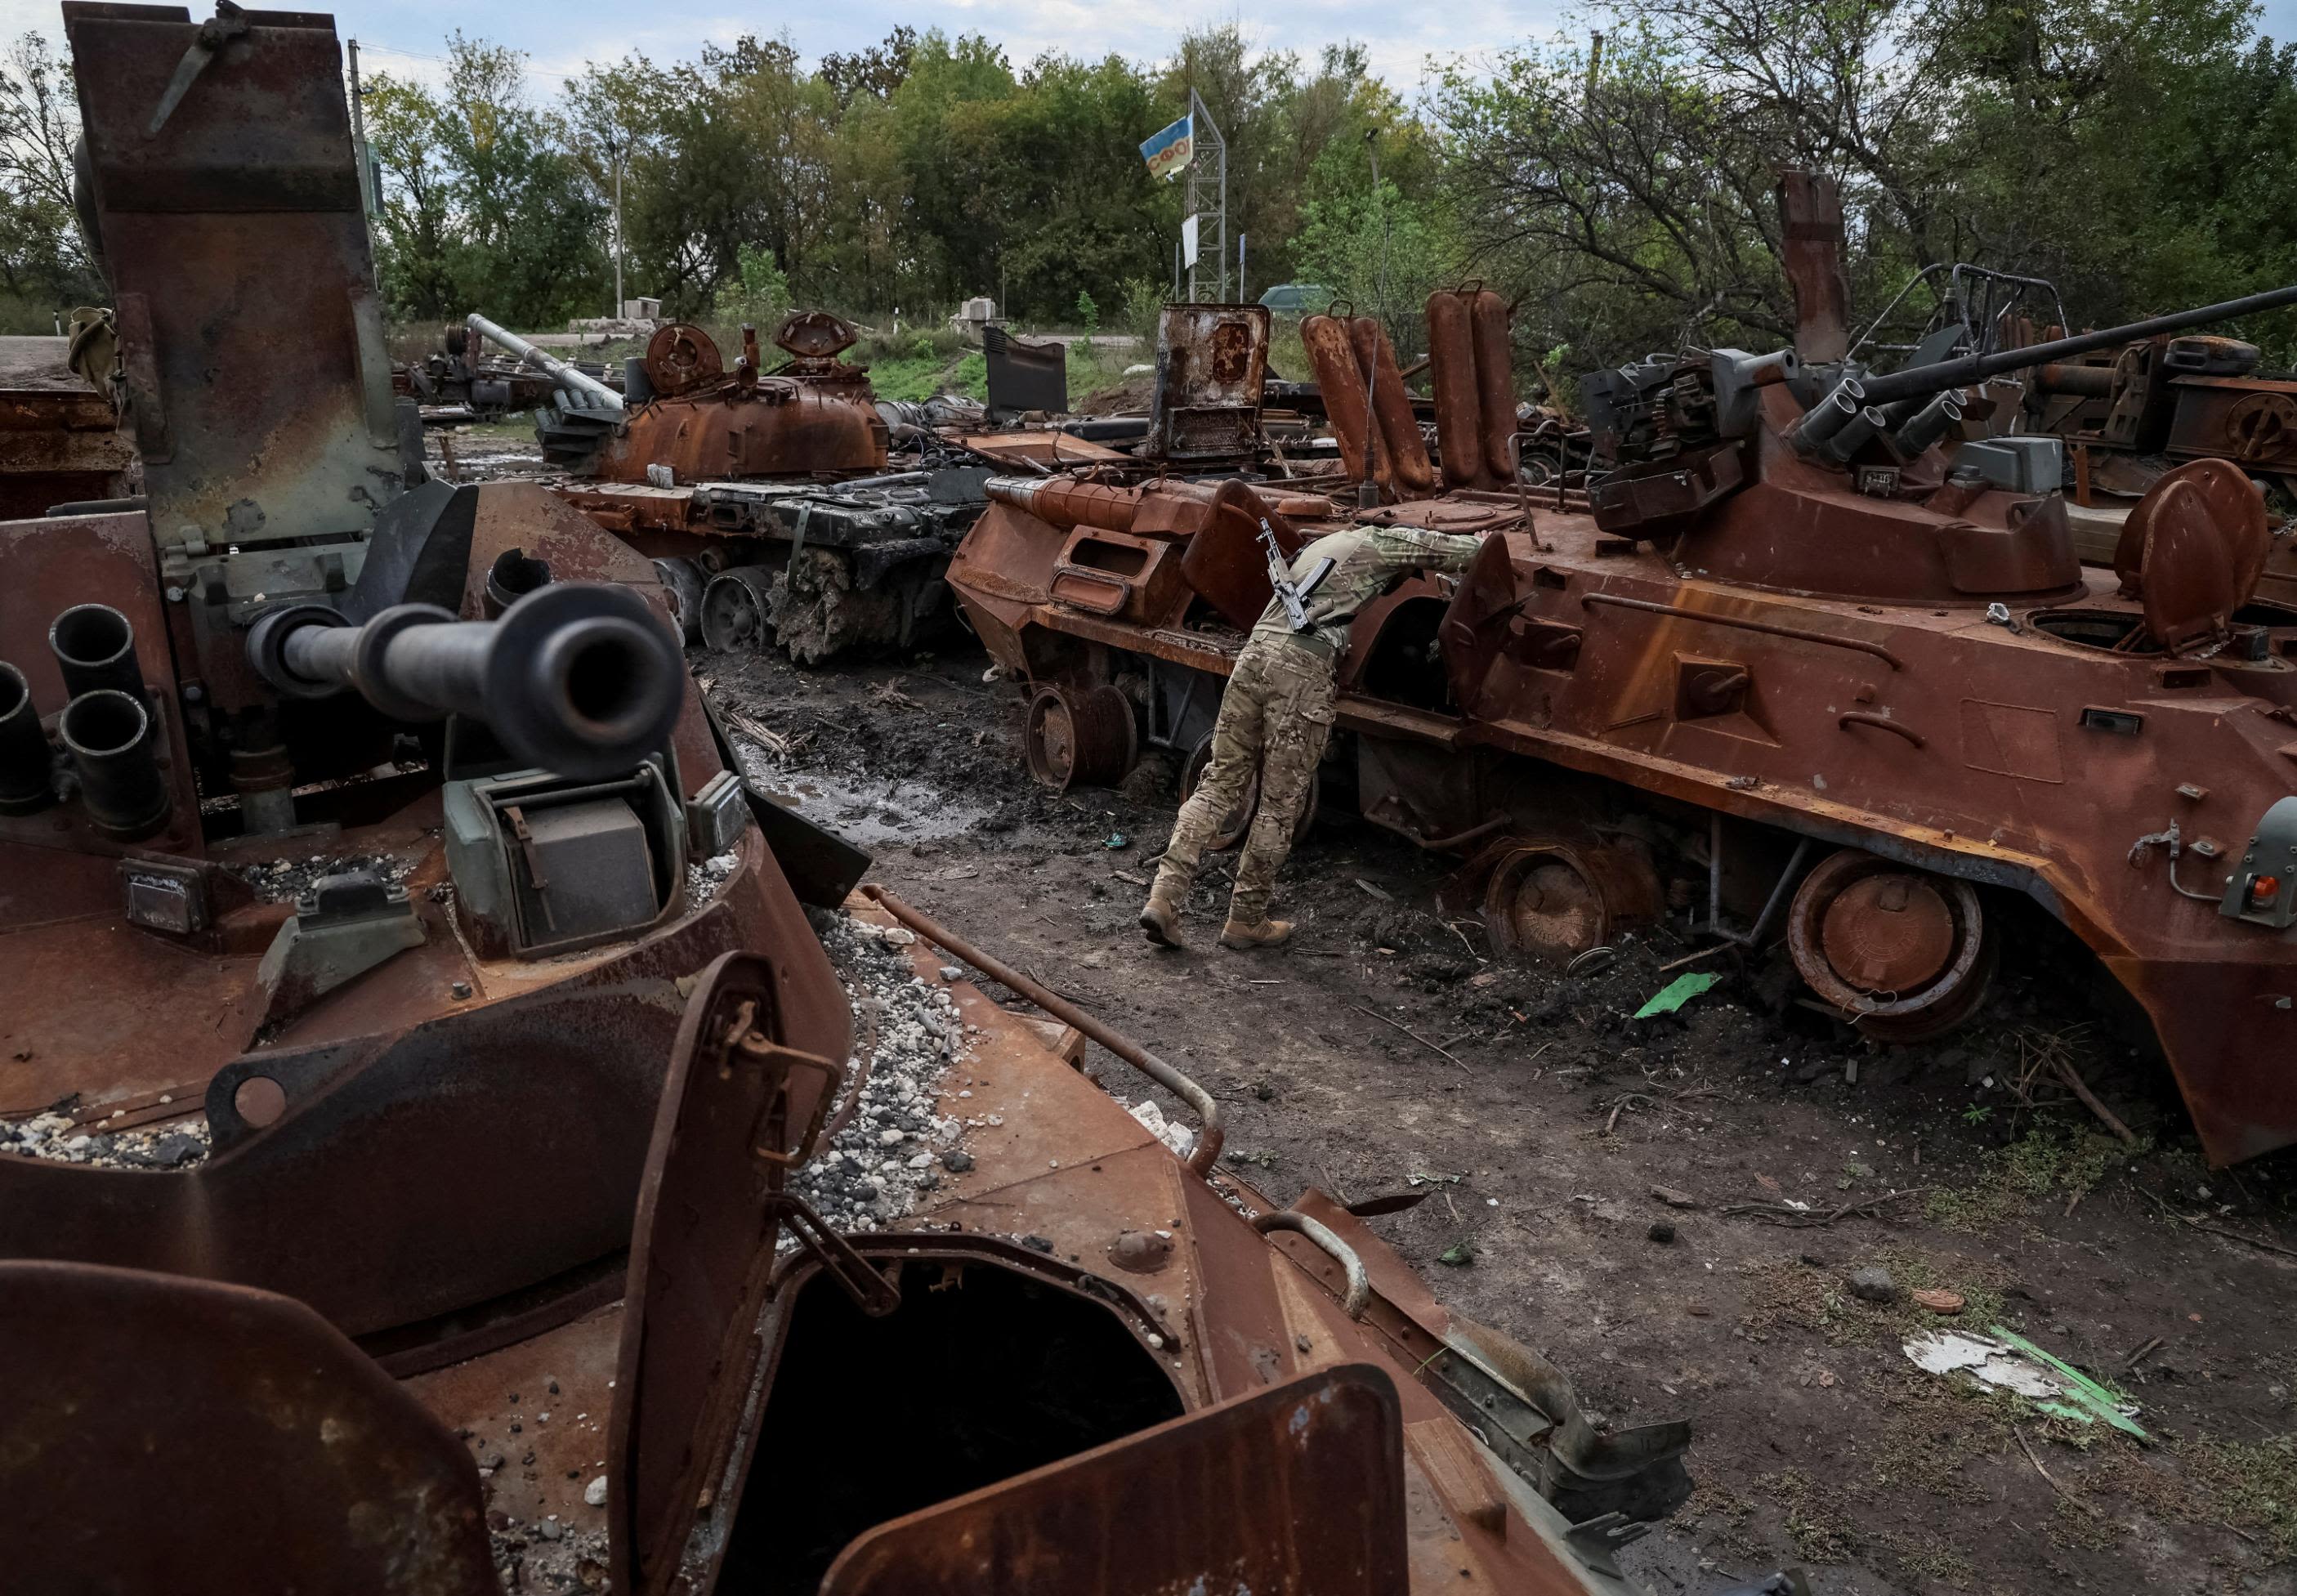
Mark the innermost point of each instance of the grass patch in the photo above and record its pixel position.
(2251, 1485)
(1819, 1301)
(1816, 1521)
(2050, 1161)
(1724, 1519)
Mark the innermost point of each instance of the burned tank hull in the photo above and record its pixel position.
(1269, 1390)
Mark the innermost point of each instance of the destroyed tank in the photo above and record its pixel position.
(772, 526)
(1855, 682)
(768, 491)
(486, 1270)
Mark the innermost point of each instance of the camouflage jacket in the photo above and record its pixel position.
(1370, 559)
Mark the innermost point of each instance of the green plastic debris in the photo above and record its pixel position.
(2005, 1360)
(1459, 1255)
(2087, 1399)
(1677, 992)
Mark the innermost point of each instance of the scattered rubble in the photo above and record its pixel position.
(895, 1143)
(56, 1136)
(288, 879)
(706, 877)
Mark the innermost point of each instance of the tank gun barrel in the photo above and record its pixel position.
(1922, 381)
(587, 391)
(580, 678)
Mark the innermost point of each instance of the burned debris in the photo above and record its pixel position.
(1829, 629)
(368, 822)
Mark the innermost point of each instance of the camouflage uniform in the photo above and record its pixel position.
(1276, 714)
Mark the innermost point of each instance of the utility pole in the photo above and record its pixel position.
(358, 114)
(615, 154)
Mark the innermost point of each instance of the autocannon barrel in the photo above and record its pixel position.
(1916, 381)
(585, 392)
(578, 677)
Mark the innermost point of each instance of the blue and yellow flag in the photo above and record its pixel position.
(1168, 152)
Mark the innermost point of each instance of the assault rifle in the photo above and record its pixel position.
(1294, 595)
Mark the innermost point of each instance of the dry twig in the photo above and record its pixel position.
(2047, 1479)
(1803, 1218)
(1409, 1032)
(2199, 1223)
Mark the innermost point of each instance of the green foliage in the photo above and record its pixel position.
(2050, 1161)
(45, 263)
(1140, 302)
(759, 294)
(2123, 148)
(2135, 151)
(486, 206)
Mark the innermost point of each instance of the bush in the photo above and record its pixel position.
(761, 299)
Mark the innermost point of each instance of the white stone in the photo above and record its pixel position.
(594, 1493)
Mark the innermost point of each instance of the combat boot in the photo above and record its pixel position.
(1160, 917)
(1262, 933)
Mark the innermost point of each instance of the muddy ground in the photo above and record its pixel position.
(1385, 1052)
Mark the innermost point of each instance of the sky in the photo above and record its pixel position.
(407, 36)
(560, 37)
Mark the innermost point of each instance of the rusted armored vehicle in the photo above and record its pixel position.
(1861, 684)
(348, 819)
(59, 439)
(487, 1265)
(1087, 1362)
(774, 512)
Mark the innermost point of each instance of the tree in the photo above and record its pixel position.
(486, 205)
(42, 254)
(402, 129)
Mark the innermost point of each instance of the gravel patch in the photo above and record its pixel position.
(547, 1555)
(290, 879)
(896, 1144)
(54, 1137)
(706, 878)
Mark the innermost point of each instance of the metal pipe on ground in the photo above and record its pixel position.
(1207, 1150)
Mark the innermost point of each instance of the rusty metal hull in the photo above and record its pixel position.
(1919, 730)
(776, 427)
(1311, 1387)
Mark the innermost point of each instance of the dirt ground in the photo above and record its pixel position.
(1385, 1052)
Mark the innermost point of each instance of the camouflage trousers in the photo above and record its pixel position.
(1274, 719)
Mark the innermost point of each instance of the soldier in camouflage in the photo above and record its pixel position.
(1274, 718)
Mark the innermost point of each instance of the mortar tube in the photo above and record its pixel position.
(94, 646)
(26, 767)
(1829, 416)
(1207, 1150)
(108, 736)
(1855, 434)
(1927, 426)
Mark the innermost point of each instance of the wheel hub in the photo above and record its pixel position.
(1887, 933)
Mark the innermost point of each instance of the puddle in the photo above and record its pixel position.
(866, 812)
